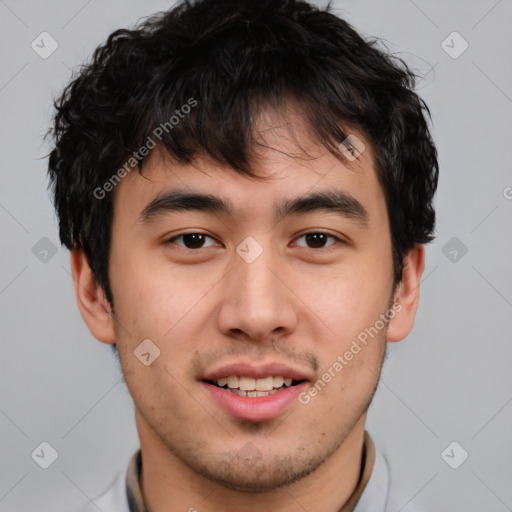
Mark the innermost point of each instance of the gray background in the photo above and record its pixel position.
(450, 380)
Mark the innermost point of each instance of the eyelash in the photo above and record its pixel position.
(175, 237)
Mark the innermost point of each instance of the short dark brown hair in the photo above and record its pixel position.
(234, 57)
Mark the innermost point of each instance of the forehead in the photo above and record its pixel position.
(283, 152)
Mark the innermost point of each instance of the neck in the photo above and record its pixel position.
(168, 484)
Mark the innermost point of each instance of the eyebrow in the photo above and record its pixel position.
(337, 202)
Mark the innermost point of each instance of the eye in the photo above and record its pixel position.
(191, 240)
(317, 240)
(313, 240)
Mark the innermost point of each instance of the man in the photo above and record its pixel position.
(246, 190)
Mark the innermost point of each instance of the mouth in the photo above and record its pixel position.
(250, 387)
(255, 393)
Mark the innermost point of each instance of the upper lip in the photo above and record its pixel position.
(256, 371)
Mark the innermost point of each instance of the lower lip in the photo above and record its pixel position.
(258, 408)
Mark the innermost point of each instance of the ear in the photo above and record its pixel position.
(407, 295)
(91, 300)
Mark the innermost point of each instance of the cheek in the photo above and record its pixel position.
(348, 301)
(148, 297)
(168, 306)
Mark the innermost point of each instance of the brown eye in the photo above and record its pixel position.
(316, 240)
(191, 240)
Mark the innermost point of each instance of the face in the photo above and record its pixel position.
(258, 287)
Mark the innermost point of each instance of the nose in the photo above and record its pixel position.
(257, 301)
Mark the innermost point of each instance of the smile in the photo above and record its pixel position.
(250, 387)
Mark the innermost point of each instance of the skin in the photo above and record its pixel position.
(297, 303)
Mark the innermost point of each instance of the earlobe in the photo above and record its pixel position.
(407, 295)
(93, 306)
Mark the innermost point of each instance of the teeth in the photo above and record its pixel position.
(247, 384)
(232, 382)
(263, 385)
(278, 382)
(253, 393)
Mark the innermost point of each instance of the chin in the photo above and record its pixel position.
(247, 471)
